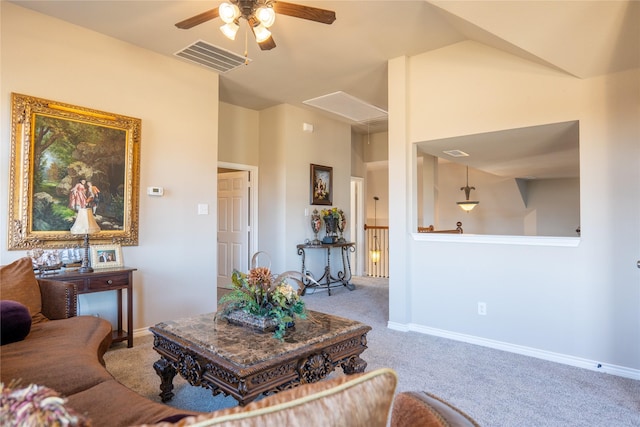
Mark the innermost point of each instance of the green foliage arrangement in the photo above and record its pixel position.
(332, 213)
(260, 293)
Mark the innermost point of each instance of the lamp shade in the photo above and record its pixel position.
(85, 223)
(230, 30)
(228, 12)
(261, 33)
(266, 16)
(467, 205)
(375, 255)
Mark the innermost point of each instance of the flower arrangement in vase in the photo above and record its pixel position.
(331, 218)
(263, 301)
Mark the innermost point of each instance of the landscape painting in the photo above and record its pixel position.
(70, 158)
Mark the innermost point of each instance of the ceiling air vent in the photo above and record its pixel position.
(210, 56)
(456, 153)
(348, 106)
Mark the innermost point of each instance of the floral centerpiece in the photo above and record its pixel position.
(263, 301)
(333, 221)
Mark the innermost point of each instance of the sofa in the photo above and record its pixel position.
(45, 343)
(63, 352)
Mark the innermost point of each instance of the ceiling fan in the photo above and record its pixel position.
(259, 14)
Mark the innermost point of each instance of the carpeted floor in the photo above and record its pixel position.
(494, 387)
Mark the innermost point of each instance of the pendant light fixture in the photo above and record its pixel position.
(374, 253)
(467, 205)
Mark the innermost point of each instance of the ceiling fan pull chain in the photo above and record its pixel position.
(246, 47)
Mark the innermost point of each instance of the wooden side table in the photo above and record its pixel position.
(102, 280)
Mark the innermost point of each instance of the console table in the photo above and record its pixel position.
(101, 280)
(343, 276)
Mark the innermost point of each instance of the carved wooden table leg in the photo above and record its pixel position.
(354, 365)
(166, 372)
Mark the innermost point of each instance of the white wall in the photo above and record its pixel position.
(177, 102)
(579, 304)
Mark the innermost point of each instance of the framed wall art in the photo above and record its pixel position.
(64, 158)
(321, 185)
(106, 256)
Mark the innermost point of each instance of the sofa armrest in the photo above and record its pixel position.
(423, 409)
(59, 299)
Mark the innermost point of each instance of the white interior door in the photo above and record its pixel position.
(233, 224)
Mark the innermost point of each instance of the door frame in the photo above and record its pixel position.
(253, 203)
(357, 226)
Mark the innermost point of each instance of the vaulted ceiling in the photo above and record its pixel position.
(581, 38)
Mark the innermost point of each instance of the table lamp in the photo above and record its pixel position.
(85, 224)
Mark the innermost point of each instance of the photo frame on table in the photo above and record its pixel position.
(106, 256)
(63, 158)
(321, 185)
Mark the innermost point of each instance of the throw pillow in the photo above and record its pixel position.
(36, 405)
(19, 283)
(15, 322)
(359, 400)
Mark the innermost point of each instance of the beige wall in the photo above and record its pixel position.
(286, 153)
(48, 58)
(357, 155)
(551, 208)
(376, 147)
(573, 304)
(238, 135)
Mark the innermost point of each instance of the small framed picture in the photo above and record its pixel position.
(321, 185)
(106, 256)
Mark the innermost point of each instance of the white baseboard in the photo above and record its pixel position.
(137, 333)
(579, 362)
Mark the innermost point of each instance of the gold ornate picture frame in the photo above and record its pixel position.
(65, 157)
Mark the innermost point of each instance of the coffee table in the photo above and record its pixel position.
(237, 361)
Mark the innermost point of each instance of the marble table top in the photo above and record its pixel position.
(244, 347)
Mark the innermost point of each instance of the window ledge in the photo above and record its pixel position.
(498, 240)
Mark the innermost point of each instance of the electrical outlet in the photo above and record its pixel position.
(482, 308)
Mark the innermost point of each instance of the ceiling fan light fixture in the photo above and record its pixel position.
(230, 30)
(266, 16)
(261, 33)
(228, 12)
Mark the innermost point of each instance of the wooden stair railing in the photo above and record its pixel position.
(381, 234)
(430, 229)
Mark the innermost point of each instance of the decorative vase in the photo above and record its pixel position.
(331, 226)
(316, 223)
(342, 224)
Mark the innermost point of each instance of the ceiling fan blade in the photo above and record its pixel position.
(305, 12)
(198, 19)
